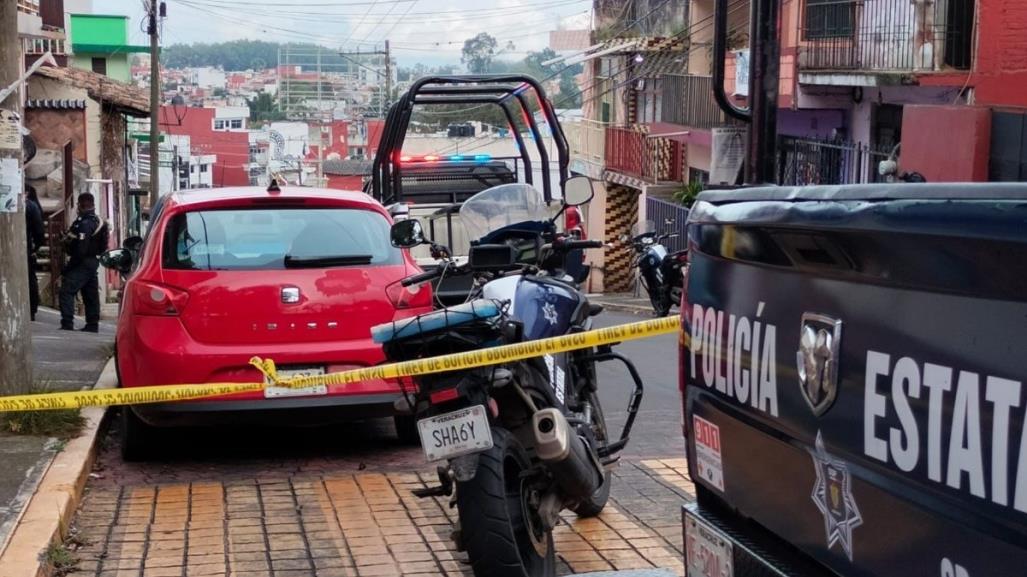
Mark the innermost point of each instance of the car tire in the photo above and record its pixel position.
(406, 429)
(137, 438)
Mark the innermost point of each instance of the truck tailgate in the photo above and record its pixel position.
(853, 365)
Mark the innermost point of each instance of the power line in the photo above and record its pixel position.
(648, 73)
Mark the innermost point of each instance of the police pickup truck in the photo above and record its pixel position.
(852, 369)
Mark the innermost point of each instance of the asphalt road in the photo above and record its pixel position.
(657, 429)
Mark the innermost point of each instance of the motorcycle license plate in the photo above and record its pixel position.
(707, 552)
(453, 434)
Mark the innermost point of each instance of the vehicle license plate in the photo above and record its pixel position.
(454, 434)
(272, 392)
(707, 551)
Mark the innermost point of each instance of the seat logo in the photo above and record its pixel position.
(817, 361)
(290, 295)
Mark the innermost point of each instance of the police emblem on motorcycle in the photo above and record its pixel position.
(549, 312)
(832, 494)
(817, 360)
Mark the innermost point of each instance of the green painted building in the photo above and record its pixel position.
(100, 43)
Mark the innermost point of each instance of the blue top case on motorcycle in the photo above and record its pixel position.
(433, 321)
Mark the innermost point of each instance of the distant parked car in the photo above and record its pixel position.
(298, 275)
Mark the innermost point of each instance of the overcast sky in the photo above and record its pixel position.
(429, 31)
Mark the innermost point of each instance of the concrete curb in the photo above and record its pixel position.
(623, 307)
(50, 511)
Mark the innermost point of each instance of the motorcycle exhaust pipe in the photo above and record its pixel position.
(566, 454)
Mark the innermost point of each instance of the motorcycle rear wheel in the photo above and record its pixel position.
(501, 533)
(660, 301)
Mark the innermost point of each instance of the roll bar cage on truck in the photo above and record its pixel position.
(432, 187)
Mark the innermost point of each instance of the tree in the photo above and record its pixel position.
(263, 108)
(533, 62)
(478, 53)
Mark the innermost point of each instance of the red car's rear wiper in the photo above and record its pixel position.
(326, 261)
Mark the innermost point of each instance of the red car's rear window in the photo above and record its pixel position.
(272, 238)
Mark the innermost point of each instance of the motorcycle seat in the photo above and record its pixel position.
(429, 322)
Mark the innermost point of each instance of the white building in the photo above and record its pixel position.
(231, 118)
(209, 77)
(184, 170)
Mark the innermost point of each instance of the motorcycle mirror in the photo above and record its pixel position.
(624, 238)
(577, 191)
(887, 167)
(119, 259)
(132, 243)
(407, 233)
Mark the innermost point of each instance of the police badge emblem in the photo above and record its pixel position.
(832, 494)
(817, 360)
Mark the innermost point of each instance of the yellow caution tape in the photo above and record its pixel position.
(458, 361)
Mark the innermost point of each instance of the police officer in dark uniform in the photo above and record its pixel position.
(83, 244)
(35, 237)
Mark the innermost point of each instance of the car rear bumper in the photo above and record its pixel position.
(321, 410)
(158, 351)
(755, 552)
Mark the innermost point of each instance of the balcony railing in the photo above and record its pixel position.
(887, 35)
(688, 101)
(38, 45)
(587, 141)
(655, 160)
(29, 6)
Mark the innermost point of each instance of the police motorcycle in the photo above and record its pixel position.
(515, 443)
(660, 271)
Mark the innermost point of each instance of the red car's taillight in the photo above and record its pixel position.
(683, 341)
(157, 300)
(418, 295)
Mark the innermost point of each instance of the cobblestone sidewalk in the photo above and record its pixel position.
(364, 524)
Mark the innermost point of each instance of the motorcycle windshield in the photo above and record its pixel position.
(502, 206)
(643, 227)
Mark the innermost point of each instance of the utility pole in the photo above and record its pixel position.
(152, 30)
(387, 101)
(764, 76)
(383, 108)
(15, 338)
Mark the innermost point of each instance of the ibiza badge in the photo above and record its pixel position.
(817, 360)
(832, 494)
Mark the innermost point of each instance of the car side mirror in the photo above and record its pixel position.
(407, 233)
(119, 259)
(132, 243)
(577, 191)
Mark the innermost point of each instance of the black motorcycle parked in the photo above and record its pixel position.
(518, 442)
(660, 271)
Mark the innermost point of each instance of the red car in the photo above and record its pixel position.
(298, 275)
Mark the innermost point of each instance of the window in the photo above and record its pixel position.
(649, 100)
(192, 169)
(219, 125)
(237, 123)
(260, 239)
(829, 18)
(204, 167)
(99, 65)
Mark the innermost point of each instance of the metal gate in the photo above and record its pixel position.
(805, 161)
(660, 212)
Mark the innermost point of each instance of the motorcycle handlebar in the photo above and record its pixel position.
(580, 244)
(422, 277)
